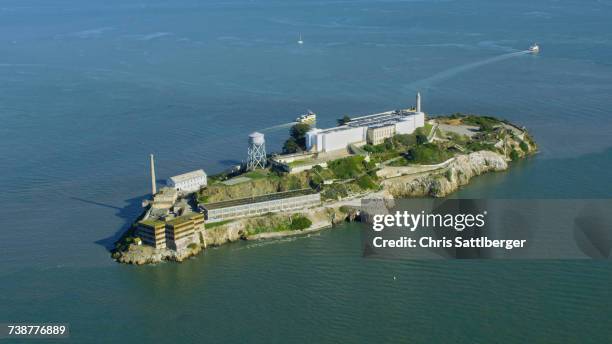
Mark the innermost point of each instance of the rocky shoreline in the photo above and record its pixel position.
(435, 183)
(322, 217)
(444, 181)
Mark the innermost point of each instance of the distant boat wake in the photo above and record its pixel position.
(278, 127)
(449, 73)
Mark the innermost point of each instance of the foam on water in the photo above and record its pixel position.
(451, 72)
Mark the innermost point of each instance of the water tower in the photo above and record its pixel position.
(256, 151)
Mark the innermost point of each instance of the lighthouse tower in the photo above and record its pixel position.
(418, 102)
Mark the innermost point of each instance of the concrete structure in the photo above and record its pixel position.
(259, 205)
(176, 233)
(153, 183)
(299, 162)
(152, 232)
(377, 135)
(256, 151)
(183, 230)
(373, 129)
(188, 182)
(165, 198)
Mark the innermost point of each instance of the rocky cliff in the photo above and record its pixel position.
(448, 179)
(246, 228)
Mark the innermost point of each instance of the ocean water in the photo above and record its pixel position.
(89, 88)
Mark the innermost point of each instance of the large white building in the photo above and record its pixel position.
(373, 129)
(188, 182)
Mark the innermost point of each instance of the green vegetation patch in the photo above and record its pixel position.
(475, 146)
(347, 168)
(366, 182)
(486, 123)
(257, 174)
(299, 222)
(428, 154)
(273, 223)
(297, 140)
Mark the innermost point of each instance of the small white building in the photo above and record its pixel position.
(188, 182)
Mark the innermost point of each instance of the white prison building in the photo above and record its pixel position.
(373, 129)
(188, 182)
(259, 205)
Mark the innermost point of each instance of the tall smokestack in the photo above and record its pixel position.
(153, 186)
(418, 102)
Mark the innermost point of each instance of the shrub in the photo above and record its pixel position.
(514, 155)
(428, 154)
(399, 162)
(524, 146)
(486, 123)
(345, 119)
(334, 191)
(478, 146)
(405, 140)
(375, 149)
(421, 138)
(299, 222)
(366, 182)
(347, 168)
(291, 146)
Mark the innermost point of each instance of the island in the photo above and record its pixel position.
(318, 180)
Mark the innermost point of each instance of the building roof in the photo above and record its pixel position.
(376, 120)
(189, 175)
(152, 222)
(183, 218)
(257, 199)
(165, 192)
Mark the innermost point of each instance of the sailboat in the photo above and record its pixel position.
(300, 40)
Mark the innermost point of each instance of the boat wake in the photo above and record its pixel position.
(449, 73)
(278, 127)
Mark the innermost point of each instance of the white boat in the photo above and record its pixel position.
(309, 117)
(300, 40)
(535, 48)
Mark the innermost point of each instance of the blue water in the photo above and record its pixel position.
(89, 88)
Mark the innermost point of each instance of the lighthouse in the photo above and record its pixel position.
(418, 102)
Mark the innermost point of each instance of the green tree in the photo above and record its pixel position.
(344, 120)
(298, 133)
(299, 222)
(514, 155)
(290, 146)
